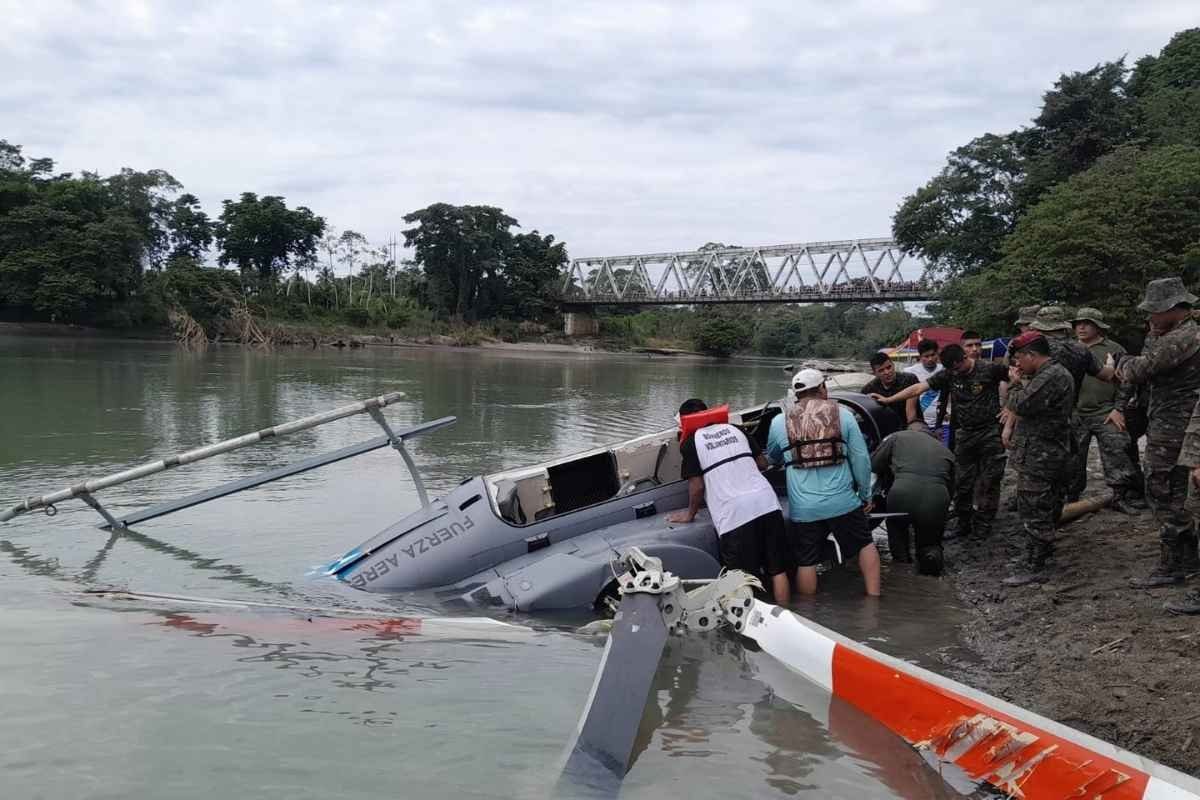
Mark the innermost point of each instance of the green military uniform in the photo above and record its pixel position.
(917, 472)
(1096, 401)
(1026, 315)
(1170, 366)
(1044, 403)
(1189, 458)
(978, 450)
(1051, 322)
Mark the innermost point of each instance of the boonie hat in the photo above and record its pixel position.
(807, 379)
(1024, 340)
(1051, 318)
(1026, 314)
(1092, 315)
(1164, 294)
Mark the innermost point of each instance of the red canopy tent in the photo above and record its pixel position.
(942, 335)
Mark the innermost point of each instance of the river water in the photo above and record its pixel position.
(112, 698)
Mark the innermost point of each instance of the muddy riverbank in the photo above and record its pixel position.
(1085, 648)
(302, 337)
(309, 337)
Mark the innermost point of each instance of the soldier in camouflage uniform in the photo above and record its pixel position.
(1170, 365)
(1042, 394)
(1051, 322)
(1100, 414)
(1025, 317)
(1189, 457)
(974, 389)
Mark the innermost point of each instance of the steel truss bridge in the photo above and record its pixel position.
(857, 270)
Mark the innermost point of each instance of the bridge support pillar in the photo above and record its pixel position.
(581, 323)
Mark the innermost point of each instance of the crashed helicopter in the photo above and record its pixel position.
(591, 528)
(534, 538)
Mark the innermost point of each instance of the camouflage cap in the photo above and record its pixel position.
(1164, 294)
(1092, 315)
(1051, 318)
(1026, 314)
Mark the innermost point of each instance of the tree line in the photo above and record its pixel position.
(130, 249)
(1097, 196)
(838, 330)
(127, 249)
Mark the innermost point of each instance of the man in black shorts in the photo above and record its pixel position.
(722, 464)
(828, 479)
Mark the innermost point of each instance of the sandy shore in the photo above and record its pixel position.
(312, 338)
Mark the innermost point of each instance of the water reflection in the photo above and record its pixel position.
(31, 562)
(717, 700)
(226, 571)
(88, 573)
(717, 723)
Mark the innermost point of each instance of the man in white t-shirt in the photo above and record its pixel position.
(723, 466)
(928, 365)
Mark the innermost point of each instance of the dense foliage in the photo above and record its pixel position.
(820, 331)
(77, 246)
(264, 238)
(1098, 195)
(477, 267)
(131, 249)
(127, 250)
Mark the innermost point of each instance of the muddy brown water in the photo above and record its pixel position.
(105, 698)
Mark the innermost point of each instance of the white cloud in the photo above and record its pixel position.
(619, 128)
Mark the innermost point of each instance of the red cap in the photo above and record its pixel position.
(1024, 340)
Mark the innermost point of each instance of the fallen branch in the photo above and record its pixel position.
(1073, 511)
(1111, 644)
(188, 332)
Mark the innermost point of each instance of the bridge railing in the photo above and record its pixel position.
(854, 270)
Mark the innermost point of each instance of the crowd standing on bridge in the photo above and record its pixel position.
(1066, 384)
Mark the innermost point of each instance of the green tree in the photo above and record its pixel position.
(201, 291)
(1177, 66)
(145, 198)
(351, 246)
(787, 334)
(531, 276)
(957, 220)
(70, 247)
(1096, 240)
(722, 335)
(190, 231)
(1085, 116)
(264, 238)
(457, 246)
(1167, 88)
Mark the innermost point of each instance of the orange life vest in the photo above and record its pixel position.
(690, 423)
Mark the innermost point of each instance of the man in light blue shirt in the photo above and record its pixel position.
(828, 480)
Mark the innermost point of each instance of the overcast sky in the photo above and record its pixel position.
(618, 128)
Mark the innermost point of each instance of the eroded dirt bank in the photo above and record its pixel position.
(1085, 648)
